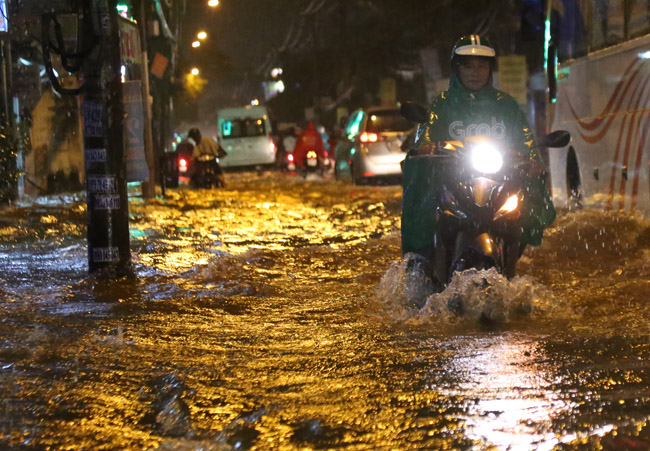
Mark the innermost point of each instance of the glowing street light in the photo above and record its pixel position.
(195, 71)
(196, 44)
(202, 35)
(213, 3)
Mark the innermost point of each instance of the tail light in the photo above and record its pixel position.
(272, 148)
(290, 157)
(312, 154)
(369, 137)
(182, 163)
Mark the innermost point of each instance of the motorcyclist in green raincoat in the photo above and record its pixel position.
(471, 107)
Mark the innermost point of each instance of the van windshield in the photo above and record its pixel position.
(240, 128)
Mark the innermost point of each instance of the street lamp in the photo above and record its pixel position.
(213, 3)
(195, 71)
(202, 35)
(196, 44)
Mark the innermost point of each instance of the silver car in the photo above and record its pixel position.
(370, 147)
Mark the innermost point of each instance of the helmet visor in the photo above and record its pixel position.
(475, 50)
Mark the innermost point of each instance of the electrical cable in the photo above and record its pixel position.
(49, 69)
(72, 62)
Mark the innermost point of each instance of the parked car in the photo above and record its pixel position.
(371, 145)
(245, 134)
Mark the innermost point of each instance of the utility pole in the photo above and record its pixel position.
(107, 197)
(7, 72)
(149, 188)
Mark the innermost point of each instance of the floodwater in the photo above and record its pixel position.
(276, 314)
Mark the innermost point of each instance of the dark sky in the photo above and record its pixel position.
(244, 30)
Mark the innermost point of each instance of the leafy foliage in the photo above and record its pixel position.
(9, 146)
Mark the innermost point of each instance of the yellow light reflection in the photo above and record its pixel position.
(516, 401)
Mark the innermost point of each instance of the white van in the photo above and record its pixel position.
(245, 135)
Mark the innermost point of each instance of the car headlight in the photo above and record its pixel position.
(486, 158)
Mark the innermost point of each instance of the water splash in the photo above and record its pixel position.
(408, 294)
(405, 287)
(486, 296)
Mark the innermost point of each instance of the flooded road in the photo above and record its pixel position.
(273, 314)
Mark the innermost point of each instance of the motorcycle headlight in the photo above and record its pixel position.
(486, 158)
(510, 205)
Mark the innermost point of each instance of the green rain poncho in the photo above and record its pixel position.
(455, 114)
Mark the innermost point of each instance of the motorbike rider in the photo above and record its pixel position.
(470, 107)
(309, 139)
(205, 152)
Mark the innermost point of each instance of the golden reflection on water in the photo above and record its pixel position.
(257, 306)
(238, 221)
(515, 402)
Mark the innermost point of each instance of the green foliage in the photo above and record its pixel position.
(10, 143)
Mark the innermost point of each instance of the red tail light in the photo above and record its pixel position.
(369, 137)
(290, 157)
(182, 162)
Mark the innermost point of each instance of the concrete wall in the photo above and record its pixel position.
(56, 161)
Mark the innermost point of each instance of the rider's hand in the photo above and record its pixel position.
(426, 148)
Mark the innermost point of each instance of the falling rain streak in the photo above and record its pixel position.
(275, 314)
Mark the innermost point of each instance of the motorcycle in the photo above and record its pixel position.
(312, 164)
(479, 193)
(176, 164)
(206, 172)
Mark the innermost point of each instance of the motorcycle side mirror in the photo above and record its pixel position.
(414, 112)
(559, 138)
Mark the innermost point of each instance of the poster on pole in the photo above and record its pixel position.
(136, 162)
(159, 65)
(130, 48)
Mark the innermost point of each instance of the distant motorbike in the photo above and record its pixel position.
(288, 164)
(312, 164)
(206, 173)
(176, 164)
(479, 193)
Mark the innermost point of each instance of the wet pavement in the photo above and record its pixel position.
(275, 314)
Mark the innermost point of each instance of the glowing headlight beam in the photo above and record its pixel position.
(486, 158)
